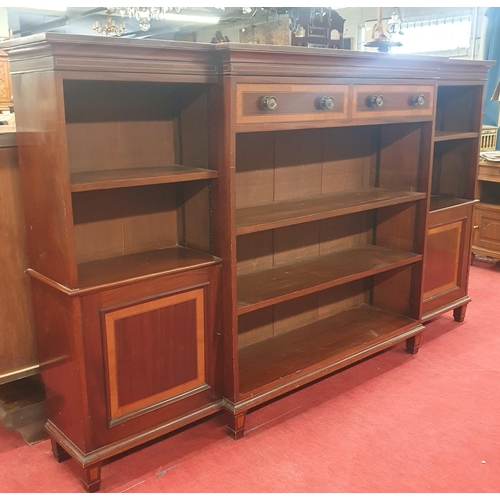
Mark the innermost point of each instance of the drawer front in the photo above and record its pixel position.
(262, 103)
(392, 101)
(489, 172)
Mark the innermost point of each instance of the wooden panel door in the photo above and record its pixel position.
(154, 351)
(157, 344)
(447, 262)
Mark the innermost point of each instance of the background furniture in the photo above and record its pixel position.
(486, 239)
(5, 83)
(320, 27)
(18, 353)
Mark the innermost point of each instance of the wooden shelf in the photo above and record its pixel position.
(272, 286)
(288, 213)
(326, 342)
(440, 135)
(109, 179)
(106, 273)
(444, 202)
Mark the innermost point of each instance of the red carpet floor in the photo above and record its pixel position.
(393, 423)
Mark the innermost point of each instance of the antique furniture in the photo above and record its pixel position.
(5, 83)
(115, 166)
(486, 235)
(18, 354)
(336, 168)
(457, 140)
(308, 173)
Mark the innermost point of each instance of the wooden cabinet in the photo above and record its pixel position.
(486, 235)
(145, 164)
(116, 172)
(455, 159)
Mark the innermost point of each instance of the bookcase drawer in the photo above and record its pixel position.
(392, 102)
(263, 103)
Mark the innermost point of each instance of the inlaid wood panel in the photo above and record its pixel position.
(397, 101)
(154, 351)
(443, 254)
(294, 103)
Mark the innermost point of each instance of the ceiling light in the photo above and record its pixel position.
(51, 7)
(190, 19)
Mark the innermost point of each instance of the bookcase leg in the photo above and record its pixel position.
(236, 424)
(60, 454)
(413, 344)
(91, 478)
(459, 313)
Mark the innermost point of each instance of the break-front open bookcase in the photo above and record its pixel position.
(212, 226)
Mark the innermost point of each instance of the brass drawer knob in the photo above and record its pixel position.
(327, 103)
(476, 227)
(269, 102)
(418, 100)
(376, 101)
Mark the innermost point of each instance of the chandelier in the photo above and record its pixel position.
(144, 15)
(109, 29)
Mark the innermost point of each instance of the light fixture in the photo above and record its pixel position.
(381, 39)
(109, 29)
(144, 16)
(191, 19)
(49, 7)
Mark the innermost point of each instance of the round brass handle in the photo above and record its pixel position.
(327, 103)
(418, 100)
(376, 101)
(269, 102)
(476, 227)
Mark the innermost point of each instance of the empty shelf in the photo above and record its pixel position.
(120, 178)
(277, 284)
(324, 343)
(290, 212)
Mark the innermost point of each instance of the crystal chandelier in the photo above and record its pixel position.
(144, 15)
(109, 29)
